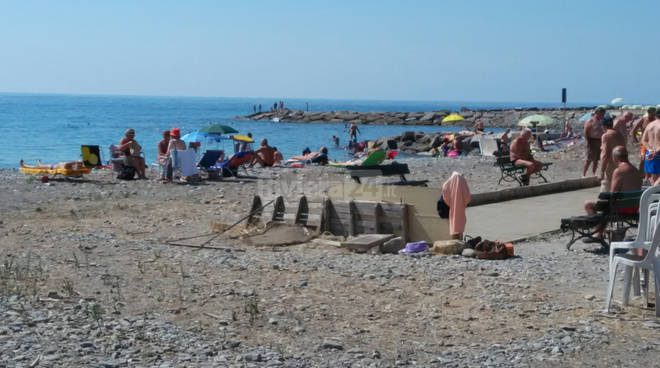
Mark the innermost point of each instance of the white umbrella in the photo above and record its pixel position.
(616, 100)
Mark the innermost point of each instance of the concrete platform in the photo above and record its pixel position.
(522, 218)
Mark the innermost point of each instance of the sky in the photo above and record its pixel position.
(465, 50)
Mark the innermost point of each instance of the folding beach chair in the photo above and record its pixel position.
(208, 162)
(91, 155)
(230, 166)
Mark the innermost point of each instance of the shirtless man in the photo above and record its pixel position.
(651, 142)
(353, 130)
(265, 155)
(521, 155)
(625, 178)
(131, 150)
(610, 139)
(162, 146)
(638, 128)
(592, 134)
(621, 124)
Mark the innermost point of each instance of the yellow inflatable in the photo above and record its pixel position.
(65, 172)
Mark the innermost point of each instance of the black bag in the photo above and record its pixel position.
(126, 173)
(443, 209)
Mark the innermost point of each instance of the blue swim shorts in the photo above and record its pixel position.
(652, 166)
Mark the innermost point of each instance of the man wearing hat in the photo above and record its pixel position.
(593, 132)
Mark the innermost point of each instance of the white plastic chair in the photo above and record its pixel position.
(648, 262)
(645, 230)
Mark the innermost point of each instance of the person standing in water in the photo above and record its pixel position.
(335, 140)
(353, 130)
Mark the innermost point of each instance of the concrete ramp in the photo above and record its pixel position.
(522, 218)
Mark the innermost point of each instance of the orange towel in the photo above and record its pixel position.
(456, 194)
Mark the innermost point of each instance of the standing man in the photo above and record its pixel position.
(259, 108)
(353, 130)
(651, 142)
(610, 139)
(621, 124)
(592, 134)
(638, 129)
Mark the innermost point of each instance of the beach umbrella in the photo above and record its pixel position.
(625, 107)
(451, 118)
(616, 100)
(636, 107)
(218, 129)
(242, 138)
(536, 120)
(196, 137)
(586, 116)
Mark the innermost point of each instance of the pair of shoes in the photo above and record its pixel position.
(524, 179)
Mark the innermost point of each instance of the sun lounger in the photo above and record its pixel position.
(618, 211)
(395, 168)
(374, 158)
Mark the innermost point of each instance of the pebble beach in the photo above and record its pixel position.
(89, 280)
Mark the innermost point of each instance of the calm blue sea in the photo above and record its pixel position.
(52, 127)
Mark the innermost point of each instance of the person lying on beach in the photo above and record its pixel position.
(68, 165)
(131, 150)
(521, 155)
(265, 155)
(315, 157)
(625, 178)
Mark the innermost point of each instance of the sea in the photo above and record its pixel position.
(52, 127)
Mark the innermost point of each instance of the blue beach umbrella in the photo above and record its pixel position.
(195, 137)
(587, 116)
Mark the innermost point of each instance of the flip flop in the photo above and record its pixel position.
(591, 240)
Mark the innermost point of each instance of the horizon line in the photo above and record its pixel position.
(291, 98)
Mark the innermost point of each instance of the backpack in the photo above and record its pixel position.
(126, 173)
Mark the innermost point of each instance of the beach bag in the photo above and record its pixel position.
(443, 209)
(126, 173)
(487, 249)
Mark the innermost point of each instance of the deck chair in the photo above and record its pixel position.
(184, 162)
(373, 159)
(230, 166)
(91, 155)
(208, 161)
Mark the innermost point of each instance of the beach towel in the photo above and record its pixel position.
(456, 194)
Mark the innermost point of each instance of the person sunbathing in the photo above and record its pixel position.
(315, 157)
(67, 165)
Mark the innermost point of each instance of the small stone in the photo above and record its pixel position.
(252, 357)
(566, 340)
(86, 344)
(556, 350)
(272, 321)
(590, 297)
(332, 344)
(469, 252)
(54, 295)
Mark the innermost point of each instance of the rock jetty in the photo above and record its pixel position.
(499, 118)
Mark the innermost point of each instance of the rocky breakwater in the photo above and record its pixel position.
(500, 118)
(416, 142)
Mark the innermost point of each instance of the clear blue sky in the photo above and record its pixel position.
(412, 50)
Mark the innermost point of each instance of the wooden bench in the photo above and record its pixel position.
(609, 216)
(512, 173)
